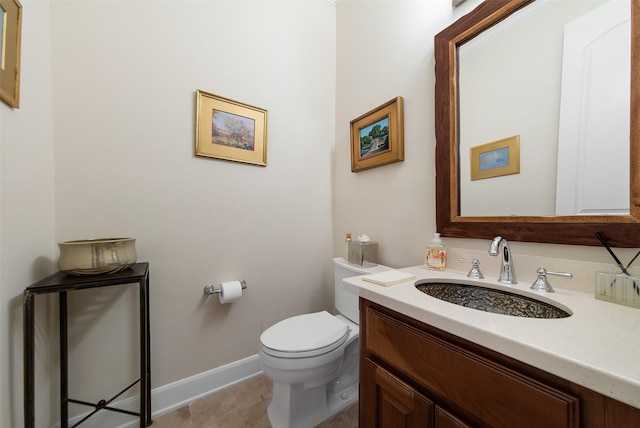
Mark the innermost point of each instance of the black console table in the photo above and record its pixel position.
(61, 283)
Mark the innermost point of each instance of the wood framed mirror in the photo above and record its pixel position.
(621, 230)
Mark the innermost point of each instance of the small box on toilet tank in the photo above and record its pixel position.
(363, 253)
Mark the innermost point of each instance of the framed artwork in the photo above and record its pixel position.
(10, 33)
(230, 130)
(377, 136)
(495, 159)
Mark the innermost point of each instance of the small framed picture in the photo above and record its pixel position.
(230, 130)
(377, 136)
(10, 36)
(495, 159)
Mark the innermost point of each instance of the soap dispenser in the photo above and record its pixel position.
(436, 254)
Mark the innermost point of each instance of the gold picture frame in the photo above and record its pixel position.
(10, 33)
(230, 130)
(377, 137)
(495, 159)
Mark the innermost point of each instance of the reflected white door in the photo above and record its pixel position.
(593, 141)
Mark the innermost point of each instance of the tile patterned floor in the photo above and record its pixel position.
(244, 406)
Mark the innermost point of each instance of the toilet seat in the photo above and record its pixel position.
(305, 335)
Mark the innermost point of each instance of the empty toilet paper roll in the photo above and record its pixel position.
(230, 291)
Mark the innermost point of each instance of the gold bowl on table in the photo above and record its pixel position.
(97, 256)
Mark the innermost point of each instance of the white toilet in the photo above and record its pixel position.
(313, 359)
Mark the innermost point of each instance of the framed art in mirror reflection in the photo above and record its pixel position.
(496, 159)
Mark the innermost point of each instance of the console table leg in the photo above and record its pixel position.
(64, 365)
(148, 349)
(29, 366)
(145, 382)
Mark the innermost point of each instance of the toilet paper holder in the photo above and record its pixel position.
(211, 289)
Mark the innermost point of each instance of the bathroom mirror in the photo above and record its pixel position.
(622, 230)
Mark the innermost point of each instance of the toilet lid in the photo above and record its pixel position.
(304, 333)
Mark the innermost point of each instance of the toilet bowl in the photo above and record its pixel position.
(313, 359)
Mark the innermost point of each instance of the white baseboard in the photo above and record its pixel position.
(173, 396)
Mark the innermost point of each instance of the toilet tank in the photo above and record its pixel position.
(346, 301)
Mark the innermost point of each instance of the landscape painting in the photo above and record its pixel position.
(374, 138)
(230, 130)
(377, 137)
(496, 159)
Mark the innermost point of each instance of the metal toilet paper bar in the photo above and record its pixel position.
(211, 289)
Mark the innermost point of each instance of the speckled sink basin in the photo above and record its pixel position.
(491, 300)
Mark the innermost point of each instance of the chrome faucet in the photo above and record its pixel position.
(507, 271)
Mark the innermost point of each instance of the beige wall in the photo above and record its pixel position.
(103, 146)
(26, 213)
(124, 114)
(385, 49)
(118, 133)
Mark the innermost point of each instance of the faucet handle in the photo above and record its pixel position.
(541, 283)
(475, 268)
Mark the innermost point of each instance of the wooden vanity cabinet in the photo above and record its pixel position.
(415, 375)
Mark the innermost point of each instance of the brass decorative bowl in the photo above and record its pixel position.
(97, 256)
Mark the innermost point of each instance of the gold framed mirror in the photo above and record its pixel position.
(621, 230)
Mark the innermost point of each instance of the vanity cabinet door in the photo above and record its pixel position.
(392, 403)
(445, 419)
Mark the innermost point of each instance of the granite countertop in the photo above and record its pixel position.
(597, 347)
